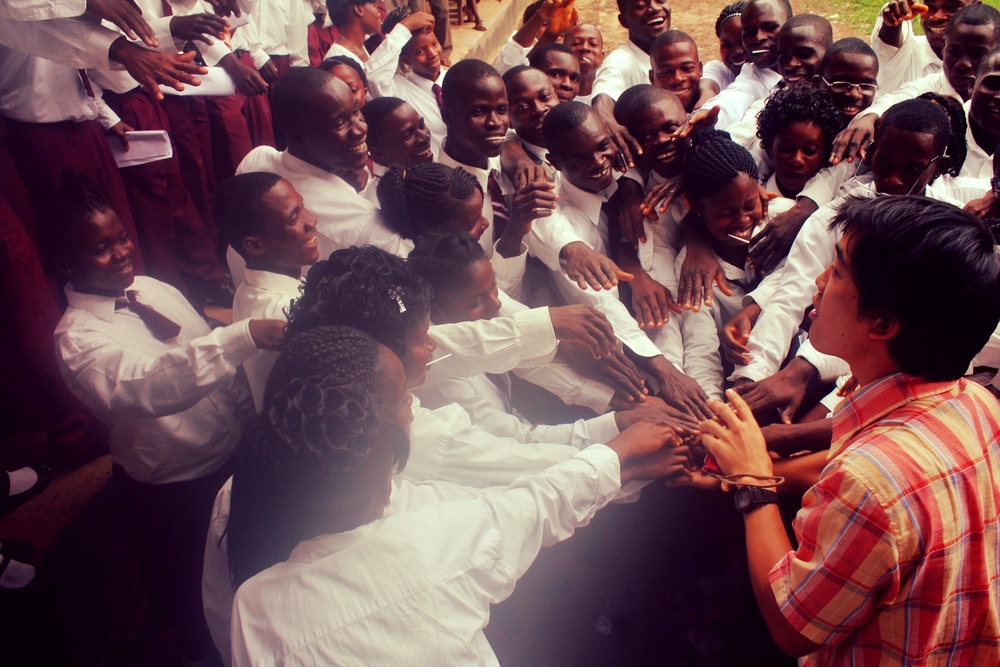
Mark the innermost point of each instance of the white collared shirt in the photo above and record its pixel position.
(41, 10)
(441, 556)
(716, 70)
(263, 295)
(978, 163)
(283, 27)
(482, 175)
(753, 83)
(35, 90)
(913, 59)
(578, 216)
(626, 66)
(176, 407)
(932, 83)
(511, 55)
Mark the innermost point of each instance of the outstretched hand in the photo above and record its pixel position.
(153, 68)
(735, 439)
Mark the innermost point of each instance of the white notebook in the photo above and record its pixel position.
(143, 147)
(214, 84)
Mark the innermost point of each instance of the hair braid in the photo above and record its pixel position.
(713, 161)
(415, 200)
(957, 149)
(728, 12)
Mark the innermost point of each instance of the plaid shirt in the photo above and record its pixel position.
(899, 541)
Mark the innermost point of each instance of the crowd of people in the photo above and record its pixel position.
(774, 272)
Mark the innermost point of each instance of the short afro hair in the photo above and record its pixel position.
(799, 104)
(643, 98)
(333, 61)
(375, 111)
(542, 52)
(920, 117)
(462, 74)
(561, 119)
(239, 208)
(628, 99)
(851, 45)
(290, 101)
(339, 9)
(671, 37)
(977, 14)
(824, 31)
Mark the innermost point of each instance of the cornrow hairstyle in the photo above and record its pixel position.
(540, 54)
(561, 119)
(957, 149)
(630, 98)
(340, 9)
(461, 74)
(375, 111)
(846, 45)
(333, 61)
(291, 100)
(443, 260)
(415, 200)
(310, 462)
(802, 104)
(75, 200)
(393, 18)
(239, 208)
(824, 31)
(728, 12)
(918, 116)
(977, 14)
(365, 288)
(714, 161)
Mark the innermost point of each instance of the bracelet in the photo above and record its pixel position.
(762, 482)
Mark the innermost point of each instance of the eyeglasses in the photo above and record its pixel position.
(841, 87)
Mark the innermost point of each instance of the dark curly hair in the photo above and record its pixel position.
(713, 161)
(802, 104)
(728, 12)
(443, 260)
(312, 461)
(957, 149)
(365, 288)
(415, 200)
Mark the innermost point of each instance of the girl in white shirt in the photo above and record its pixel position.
(716, 75)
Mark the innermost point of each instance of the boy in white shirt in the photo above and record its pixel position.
(587, 43)
(560, 63)
(983, 135)
(676, 66)
(628, 65)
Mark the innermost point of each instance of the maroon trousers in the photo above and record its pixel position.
(230, 134)
(320, 40)
(176, 240)
(196, 175)
(257, 111)
(43, 151)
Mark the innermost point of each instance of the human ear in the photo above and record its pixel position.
(621, 21)
(883, 328)
(254, 246)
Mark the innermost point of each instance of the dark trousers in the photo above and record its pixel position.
(166, 526)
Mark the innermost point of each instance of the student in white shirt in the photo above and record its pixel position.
(136, 353)
(560, 64)
(397, 136)
(350, 72)
(380, 573)
(628, 65)
(983, 135)
(676, 66)
(531, 96)
(581, 149)
(909, 153)
(356, 20)
(718, 74)
(587, 43)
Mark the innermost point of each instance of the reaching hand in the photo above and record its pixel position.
(614, 370)
(585, 325)
(680, 390)
(736, 443)
(198, 27)
(854, 139)
(631, 217)
(736, 333)
(642, 440)
(659, 199)
(248, 81)
(658, 412)
(899, 11)
(588, 267)
(126, 15)
(700, 272)
(527, 172)
(269, 72)
(626, 144)
(698, 118)
(651, 301)
(120, 131)
(983, 207)
(776, 239)
(268, 334)
(152, 68)
(783, 391)
(418, 21)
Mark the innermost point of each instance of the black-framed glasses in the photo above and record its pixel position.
(841, 87)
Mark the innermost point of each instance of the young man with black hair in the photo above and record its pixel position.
(559, 62)
(897, 541)
(397, 135)
(676, 66)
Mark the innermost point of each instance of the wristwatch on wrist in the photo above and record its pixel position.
(749, 498)
(995, 185)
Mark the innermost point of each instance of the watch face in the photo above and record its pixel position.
(742, 498)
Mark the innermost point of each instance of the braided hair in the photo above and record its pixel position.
(729, 11)
(311, 462)
(713, 161)
(799, 104)
(75, 201)
(415, 200)
(957, 149)
(366, 288)
(443, 260)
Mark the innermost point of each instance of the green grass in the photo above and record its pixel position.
(855, 17)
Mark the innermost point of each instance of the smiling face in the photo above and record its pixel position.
(964, 48)
(100, 259)
(734, 209)
(799, 53)
(585, 155)
(645, 20)
(476, 298)
(477, 119)
(563, 71)
(798, 153)
(762, 20)
(653, 127)
(588, 45)
(423, 54)
(676, 68)
(935, 20)
(333, 137)
(985, 107)
(347, 74)
(904, 162)
(405, 138)
(419, 348)
(531, 97)
(850, 68)
(288, 241)
(731, 51)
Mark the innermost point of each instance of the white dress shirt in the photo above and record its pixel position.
(753, 83)
(438, 565)
(36, 90)
(263, 295)
(75, 42)
(913, 59)
(716, 70)
(482, 175)
(932, 83)
(626, 66)
(283, 26)
(978, 163)
(578, 216)
(41, 10)
(176, 407)
(511, 55)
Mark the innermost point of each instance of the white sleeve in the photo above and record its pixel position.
(610, 79)
(764, 292)
(41, 10)
(78, 42)
(716, 72)
(509, 271)
(830, 368)
(297, 33)
(896, 66)
(572, 388)
(106, 117)
(702, 361)
(813, 250)
(734, 101)
(115, 380)
(511, 55)
(824, 186)
(381, 66)
(548, 236)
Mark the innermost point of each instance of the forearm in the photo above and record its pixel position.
(787, 439)
(800, 472)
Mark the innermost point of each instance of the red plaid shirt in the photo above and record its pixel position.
(899, 541)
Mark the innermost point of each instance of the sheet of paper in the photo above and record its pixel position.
(214, 84)
(143, 147)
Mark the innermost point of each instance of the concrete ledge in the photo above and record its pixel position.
(501, 20)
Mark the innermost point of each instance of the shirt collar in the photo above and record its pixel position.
(482, 175)
(635, 50)
(868, 405)
(102, 306)
(273, 282)
(322, 546)
(589, 203)
(425, 84)
(378, 170)
(299, 166)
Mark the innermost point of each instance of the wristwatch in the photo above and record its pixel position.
(995, 185)
(749, 498)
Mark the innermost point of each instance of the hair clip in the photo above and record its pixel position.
(399, 301)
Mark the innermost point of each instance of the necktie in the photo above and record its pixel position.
(86, 83)
(437, 95)
(167, 9)
(500, 213)
(161, 326)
